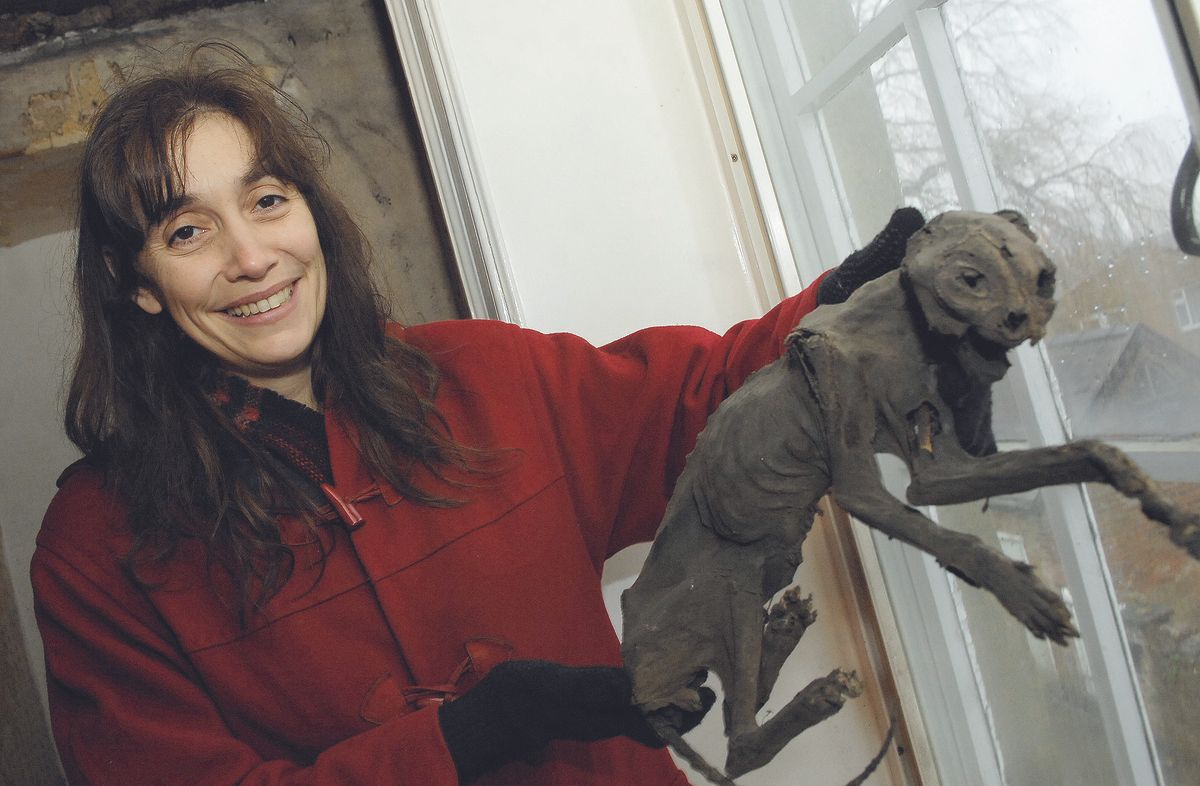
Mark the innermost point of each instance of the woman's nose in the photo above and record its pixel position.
(249, 255)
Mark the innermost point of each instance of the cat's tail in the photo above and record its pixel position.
(875, 762)
(672, 737)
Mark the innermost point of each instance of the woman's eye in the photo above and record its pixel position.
(184, 234)
(269, 201)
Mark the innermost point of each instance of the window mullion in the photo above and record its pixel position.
(872, 42)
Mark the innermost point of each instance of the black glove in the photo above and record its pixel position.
(881, 255)
(521, 705)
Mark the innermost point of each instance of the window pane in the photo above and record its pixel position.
(1077, 107)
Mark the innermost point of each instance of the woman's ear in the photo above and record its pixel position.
(145, 296)
(147, 300)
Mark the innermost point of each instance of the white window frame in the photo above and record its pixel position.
(1179, 297)
(471, 221)
(797, 173)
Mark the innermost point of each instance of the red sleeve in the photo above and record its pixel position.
(127, 708)
(626, 415)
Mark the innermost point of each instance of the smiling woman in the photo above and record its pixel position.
(238, 264)
(202, 192)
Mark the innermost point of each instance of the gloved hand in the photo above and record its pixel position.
(521, 705)
(881, 255)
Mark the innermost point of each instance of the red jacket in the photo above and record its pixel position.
(161, 686)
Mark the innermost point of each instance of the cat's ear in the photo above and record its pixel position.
(1019, 221)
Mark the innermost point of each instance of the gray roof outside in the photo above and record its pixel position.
(1127, 382)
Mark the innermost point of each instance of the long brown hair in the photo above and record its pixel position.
(136, 403)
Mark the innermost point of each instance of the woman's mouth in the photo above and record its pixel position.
(261, 306)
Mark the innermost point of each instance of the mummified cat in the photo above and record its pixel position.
(905, 366)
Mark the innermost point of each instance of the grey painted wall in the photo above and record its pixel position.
(34, 333)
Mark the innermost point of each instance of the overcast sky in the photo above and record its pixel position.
(1117, 57)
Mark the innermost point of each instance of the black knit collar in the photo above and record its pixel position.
(292, 432)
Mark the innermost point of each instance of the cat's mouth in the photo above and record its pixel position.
(989, 350)
(982, 358)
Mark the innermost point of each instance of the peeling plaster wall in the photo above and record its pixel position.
(58, 118)
(28, 22)
(44, 110)
(336, 58)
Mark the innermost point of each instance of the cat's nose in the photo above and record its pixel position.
(1015, 320)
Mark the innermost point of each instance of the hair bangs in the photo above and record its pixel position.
(136, 171)
(139, 180)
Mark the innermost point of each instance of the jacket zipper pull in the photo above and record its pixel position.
(345, 510)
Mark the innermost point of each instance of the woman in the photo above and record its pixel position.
(301, 536)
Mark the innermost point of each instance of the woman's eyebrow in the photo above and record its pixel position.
(176, 204)
(254, 174)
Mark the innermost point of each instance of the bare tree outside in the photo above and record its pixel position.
(1087, 186)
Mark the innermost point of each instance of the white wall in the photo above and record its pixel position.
(35, 326)
(599, 163)
(603, 171)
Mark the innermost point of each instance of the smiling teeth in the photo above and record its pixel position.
(261, 306)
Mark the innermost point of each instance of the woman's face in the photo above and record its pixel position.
(238, 265)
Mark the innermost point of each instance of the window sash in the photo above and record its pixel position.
(800, 171)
